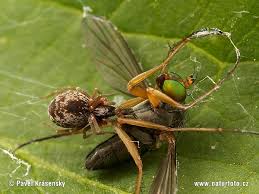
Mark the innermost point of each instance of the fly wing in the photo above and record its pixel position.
(165, 181)
(110, 52)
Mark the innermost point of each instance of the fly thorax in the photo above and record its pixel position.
(144, 111)
(176, 115)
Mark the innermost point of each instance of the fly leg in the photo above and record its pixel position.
(151, 125)
(62, 133)
(156, 96)
(136, 90)
(132, 149)
(67, 133)
(130, 103)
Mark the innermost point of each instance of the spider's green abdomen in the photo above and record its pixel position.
(174, 89)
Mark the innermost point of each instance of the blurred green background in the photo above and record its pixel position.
(41, 49)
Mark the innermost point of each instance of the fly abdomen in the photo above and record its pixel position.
(113, 151)
(107, 154)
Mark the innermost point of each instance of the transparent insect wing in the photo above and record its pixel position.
(110, 52)
(165, 181)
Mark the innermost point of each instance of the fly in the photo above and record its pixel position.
(154, 114)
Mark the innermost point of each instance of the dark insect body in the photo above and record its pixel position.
(113, 151)
(154, 115)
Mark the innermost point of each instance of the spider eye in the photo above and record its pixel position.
(174, 89)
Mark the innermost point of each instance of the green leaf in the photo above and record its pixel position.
(41, 50)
